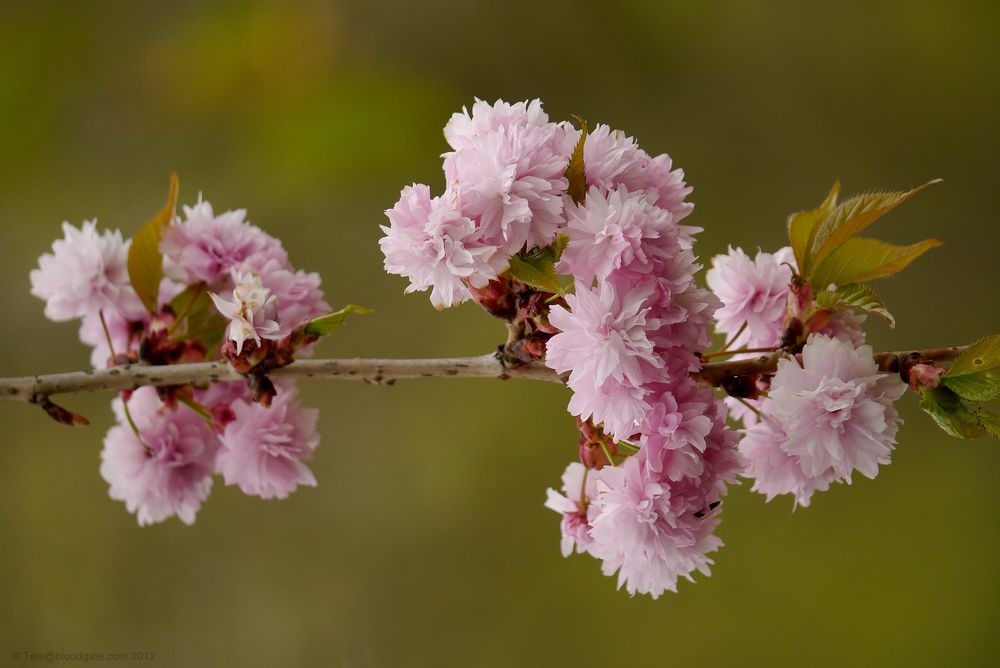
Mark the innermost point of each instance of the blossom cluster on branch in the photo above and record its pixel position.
(578, 240)
(170, 442)
(575, 238)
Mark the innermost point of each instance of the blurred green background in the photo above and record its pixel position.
(426, 543)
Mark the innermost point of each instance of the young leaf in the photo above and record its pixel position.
(558, 246)
(857, 296)
(862, 259)
(991, 423)
(802, 228)
(331, 322)
(539, 275)
(950, 412)
(850, 218)
(145, 261)
(575, 172)
(975, 374)
(197, 318)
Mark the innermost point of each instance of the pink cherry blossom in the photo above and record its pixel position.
(659, 176)
(829, 417)
(650, 532)
(602, 335)
(297, 294)
(612, 158)
(603, 343)
(208, 247)
(754, 294)
(674, 431)
(614, 232)
(773, 470)
(511, 181)
(264, 449)
(462, 128)
(125, 333)
(169, 471)
(86, 273)
(579, 491)
(252, 314)
(436, 247)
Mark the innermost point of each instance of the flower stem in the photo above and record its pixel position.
(107, 333)
(748, 405)
(607, 453)
(741, 351)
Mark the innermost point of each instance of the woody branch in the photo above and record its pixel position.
(377, 371)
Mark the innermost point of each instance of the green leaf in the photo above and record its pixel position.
(802, 228)
(575, 171)
(145, 261)
(862, 259)
(950, 412)
(991, 423)
(537, 269)
(975, 374)
(857, 296)
(850, 218)
(197, 317)
(558, 246)
(331, 322)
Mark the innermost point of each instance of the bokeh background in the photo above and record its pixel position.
(426, 543)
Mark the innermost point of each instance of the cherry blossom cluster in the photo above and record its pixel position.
(576, 239)
(823, 417)
(169, 443)
(622, 320)
(628, 334)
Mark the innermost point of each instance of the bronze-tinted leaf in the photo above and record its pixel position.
(145, 261)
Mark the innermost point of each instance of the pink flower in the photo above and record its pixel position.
(123, 337)
(619, 230)
(168, 472)
(297, 294)
(669, 185)
(125, 334)
(86, 273)
(603, 343)
(579, 490)
(652, 532)
(754, 295)
(676, 429)
(507, 172)
(219, 399)
(832, 415)
(206, 247)
(845, 324)
(612, 158)
(618, 406)
(263, 449)
(436, 247)
(463, 128)
(602, 335)
(775, 471)
(253, 313)
(511, 181)
(684, 326)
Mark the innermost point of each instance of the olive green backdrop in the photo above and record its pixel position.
(426, 543)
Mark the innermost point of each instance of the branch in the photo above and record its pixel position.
(714, 372)
(36, 389)
(378, 371)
